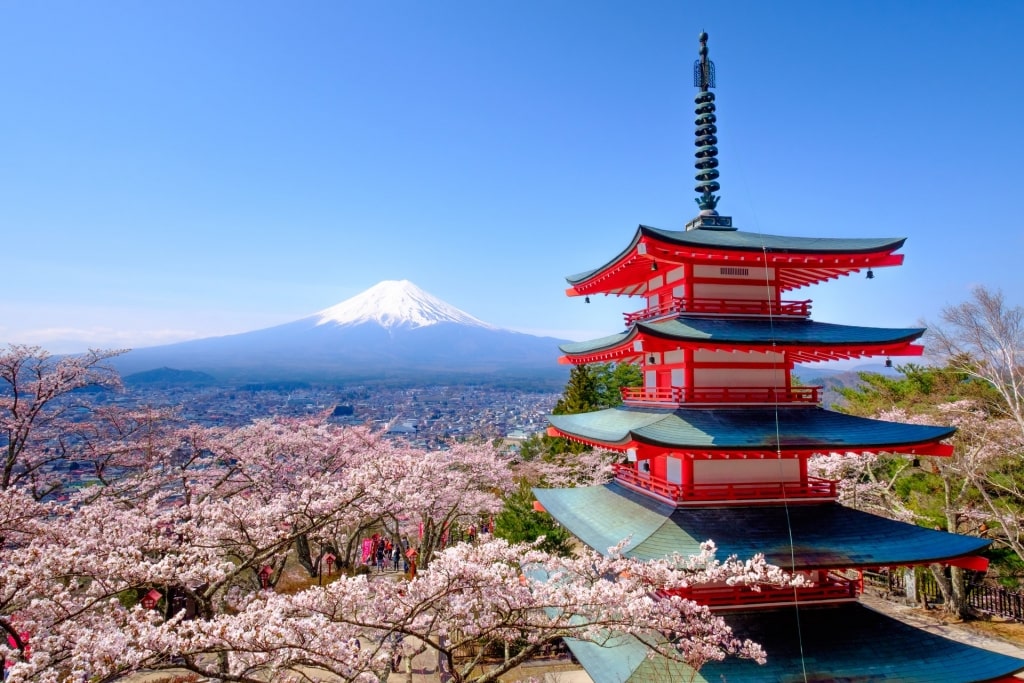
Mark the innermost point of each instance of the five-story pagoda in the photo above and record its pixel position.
(717, 440)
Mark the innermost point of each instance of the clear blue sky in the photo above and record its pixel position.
(181, 169)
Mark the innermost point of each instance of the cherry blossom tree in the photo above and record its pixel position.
(865, 482)
(432, 492)
(974, 491)
(35, 390)
(469, 598)
(172, 557)
(984, 338)
(223, 504)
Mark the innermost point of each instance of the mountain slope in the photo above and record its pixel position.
(396, 303)
(392, 331)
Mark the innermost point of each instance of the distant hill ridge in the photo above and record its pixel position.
(169, 376)
(833, 380)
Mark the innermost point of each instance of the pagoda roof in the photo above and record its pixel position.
(816, 258)
(746, 430)
(847, 642)
(810, 340)
(718, 238)
(795, 537)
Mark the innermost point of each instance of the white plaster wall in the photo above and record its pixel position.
(676, 356)
(721, 377)
(745, 471)
(712, 356)
(751, 292)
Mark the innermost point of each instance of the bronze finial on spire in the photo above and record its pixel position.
(707, 153)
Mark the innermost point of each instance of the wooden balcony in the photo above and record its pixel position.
(706, 494)
(789, 309)
(835, 588)
(716, 395)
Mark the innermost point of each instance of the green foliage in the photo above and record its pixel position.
(595, 387)
(611, 377)
(581, 394)
(1006, 565)
(532, 447)
(917, 388)
(518, 522)
(922, 493)
(940, 492)
(590, 388)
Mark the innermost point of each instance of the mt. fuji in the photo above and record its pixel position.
(393, 332)
(396, 303)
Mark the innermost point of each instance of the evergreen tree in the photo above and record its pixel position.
(590, 388)
(582, 393)
(519, 522)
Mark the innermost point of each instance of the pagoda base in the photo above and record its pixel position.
(846, 642)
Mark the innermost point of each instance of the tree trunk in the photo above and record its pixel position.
(954, 590)
(304, 555)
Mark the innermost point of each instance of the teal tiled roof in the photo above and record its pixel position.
(848, 642)
(799, 536)
(739, 240)
(758, 332)
(744, 429)
(756, 241)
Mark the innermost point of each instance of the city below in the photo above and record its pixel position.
(426, 416)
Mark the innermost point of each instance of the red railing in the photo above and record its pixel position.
(679, 395)
(835, 587)
(695, 494)
(797, 309)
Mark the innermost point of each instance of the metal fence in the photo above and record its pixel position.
(994, 600)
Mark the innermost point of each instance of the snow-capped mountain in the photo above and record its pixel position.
(393, 331)
(396, 303)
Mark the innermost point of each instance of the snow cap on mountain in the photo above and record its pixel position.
(396, 303)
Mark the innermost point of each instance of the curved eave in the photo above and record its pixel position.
(800, 261)
(624, 272)
(748, 432)
(794, 537)
(802, 341)
(849, 642)
(615, 348)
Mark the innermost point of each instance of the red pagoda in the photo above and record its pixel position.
(717, 440)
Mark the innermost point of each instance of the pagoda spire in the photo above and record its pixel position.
(707, 152)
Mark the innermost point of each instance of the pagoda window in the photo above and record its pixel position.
(733, 270)
(730, 273)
